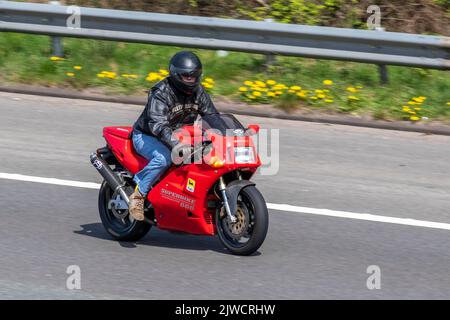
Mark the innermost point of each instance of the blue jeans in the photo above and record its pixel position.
(157, 153)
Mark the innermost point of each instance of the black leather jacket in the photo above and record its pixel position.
(168, 109)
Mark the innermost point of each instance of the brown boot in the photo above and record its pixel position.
(136, 206)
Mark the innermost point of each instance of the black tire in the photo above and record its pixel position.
(258, 223)
(122, 230)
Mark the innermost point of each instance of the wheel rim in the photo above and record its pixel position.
(119, 219)
(238, 234)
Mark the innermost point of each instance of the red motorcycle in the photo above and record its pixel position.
(212, 194)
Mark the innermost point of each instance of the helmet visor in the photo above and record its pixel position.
(191, 78)
(188, 79)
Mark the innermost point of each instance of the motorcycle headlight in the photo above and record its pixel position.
(244, 155)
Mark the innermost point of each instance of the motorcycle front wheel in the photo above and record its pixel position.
(116, 219)
(247, 234)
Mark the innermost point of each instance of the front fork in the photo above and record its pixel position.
(222, 188)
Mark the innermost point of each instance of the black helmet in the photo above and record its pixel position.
(185, 64)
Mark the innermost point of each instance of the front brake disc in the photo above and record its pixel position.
(239, 228)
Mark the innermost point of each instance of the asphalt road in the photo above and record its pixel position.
(46, 228)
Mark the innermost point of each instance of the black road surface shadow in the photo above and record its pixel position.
(160, 238)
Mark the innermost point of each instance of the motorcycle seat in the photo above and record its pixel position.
(120, 131)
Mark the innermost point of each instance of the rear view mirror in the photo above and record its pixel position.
(252, 129)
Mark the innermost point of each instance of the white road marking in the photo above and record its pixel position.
(273, 206)
(360, 216)
(58, 182)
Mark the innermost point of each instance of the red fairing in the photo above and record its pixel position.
(120, 143)
(180, 198)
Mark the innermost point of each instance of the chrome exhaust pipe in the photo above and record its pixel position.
(110, 176)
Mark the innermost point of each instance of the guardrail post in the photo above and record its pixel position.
(382, 68)
(57, 48)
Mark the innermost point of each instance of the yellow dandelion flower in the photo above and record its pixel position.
(280, 86)
(128, 76)
(329, 100)
(210, 80)
(327, 82)
(352, 89)
(301, 94)
(78, 67)
(406, 108)
(271, 82)
(257, 93)
(55, 58)
(448, 103)
(291, 91)
(295, 88)
(243, 89)
(318, 91)
(417, 109)
(353, 98)
(278, 93)
(260, 84)
(111, 75)
(248, 83)
(412, 103)
(271, 94)
(163, 72)
(70, 74)
(321, 96)
(359, 87)
(414, 118)
(314, 98)
(107, 74)
(251, 97)
(153, 76)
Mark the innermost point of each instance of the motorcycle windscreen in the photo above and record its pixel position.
(226, 124)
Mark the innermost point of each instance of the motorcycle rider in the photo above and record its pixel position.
(172, 102)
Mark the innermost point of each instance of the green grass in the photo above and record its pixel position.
(25, 59)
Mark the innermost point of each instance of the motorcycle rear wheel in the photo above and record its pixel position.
(249, 232)
(122, 228)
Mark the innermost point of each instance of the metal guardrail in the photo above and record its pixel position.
(234, 35)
